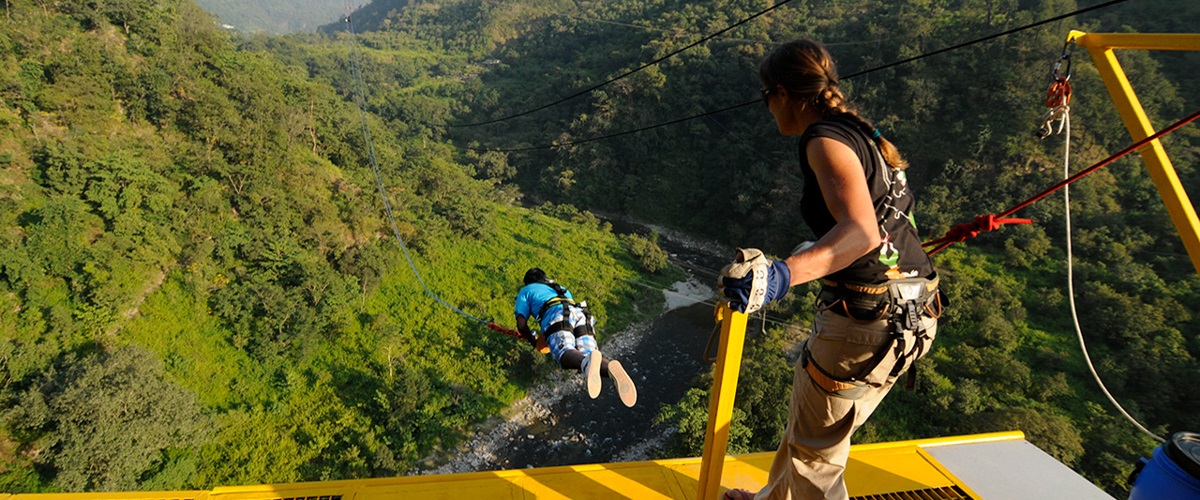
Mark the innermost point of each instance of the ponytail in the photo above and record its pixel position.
(890, 154)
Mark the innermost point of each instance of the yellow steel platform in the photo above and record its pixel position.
(885, 470)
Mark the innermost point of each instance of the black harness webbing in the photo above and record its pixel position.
(561, 299)
(564, 323)
(903, 304)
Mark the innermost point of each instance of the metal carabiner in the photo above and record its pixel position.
(1058, 92)
(1058, 63)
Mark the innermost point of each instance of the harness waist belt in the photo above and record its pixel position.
(856, 287)
(930, 286)
(873, 302)
(559, 326)
(563, 301)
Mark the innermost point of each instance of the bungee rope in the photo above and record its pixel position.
(360, 101)
(360, 95)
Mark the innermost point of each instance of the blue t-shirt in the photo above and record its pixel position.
(530, 300)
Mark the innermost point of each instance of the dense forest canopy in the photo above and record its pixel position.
(190, 223)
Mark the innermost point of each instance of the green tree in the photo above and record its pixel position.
(108, 421)
(652, 257)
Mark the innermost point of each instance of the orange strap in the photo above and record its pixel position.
(824, 381)
(541, 339)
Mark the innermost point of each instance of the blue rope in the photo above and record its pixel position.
(360, 96)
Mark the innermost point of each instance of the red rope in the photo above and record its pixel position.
(507, 331)
(982, 224)
(992, 222)
(539, 344)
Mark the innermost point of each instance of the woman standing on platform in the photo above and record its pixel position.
(879, 301)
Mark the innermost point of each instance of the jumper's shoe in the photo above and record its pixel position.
(591, 370)
(625, 388)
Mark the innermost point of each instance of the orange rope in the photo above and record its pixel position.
(507, 331)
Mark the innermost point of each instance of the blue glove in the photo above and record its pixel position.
(753, 280)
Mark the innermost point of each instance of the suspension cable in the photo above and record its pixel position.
(630, 72)
(990, 37)
(557, 144)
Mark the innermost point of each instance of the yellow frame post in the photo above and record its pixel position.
(720, 402)
(1101, 47)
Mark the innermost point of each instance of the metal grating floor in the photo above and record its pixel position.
(945, 493)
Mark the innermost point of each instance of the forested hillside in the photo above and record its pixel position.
(1007, 355)
(199, 285)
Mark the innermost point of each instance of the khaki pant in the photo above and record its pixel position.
(811, 460)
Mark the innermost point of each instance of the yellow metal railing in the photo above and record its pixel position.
(903, 469)
(720, 403)
(1101, 47)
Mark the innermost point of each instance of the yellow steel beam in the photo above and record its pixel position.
(720, 403)
(1136, 41)
(879, 470)
(987, 437)
(1101, 47)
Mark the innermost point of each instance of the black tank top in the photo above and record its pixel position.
(899, 254)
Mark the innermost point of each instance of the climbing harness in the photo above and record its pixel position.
(560, 300)
(1058, 94)
(564, 322)
(902, 302)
